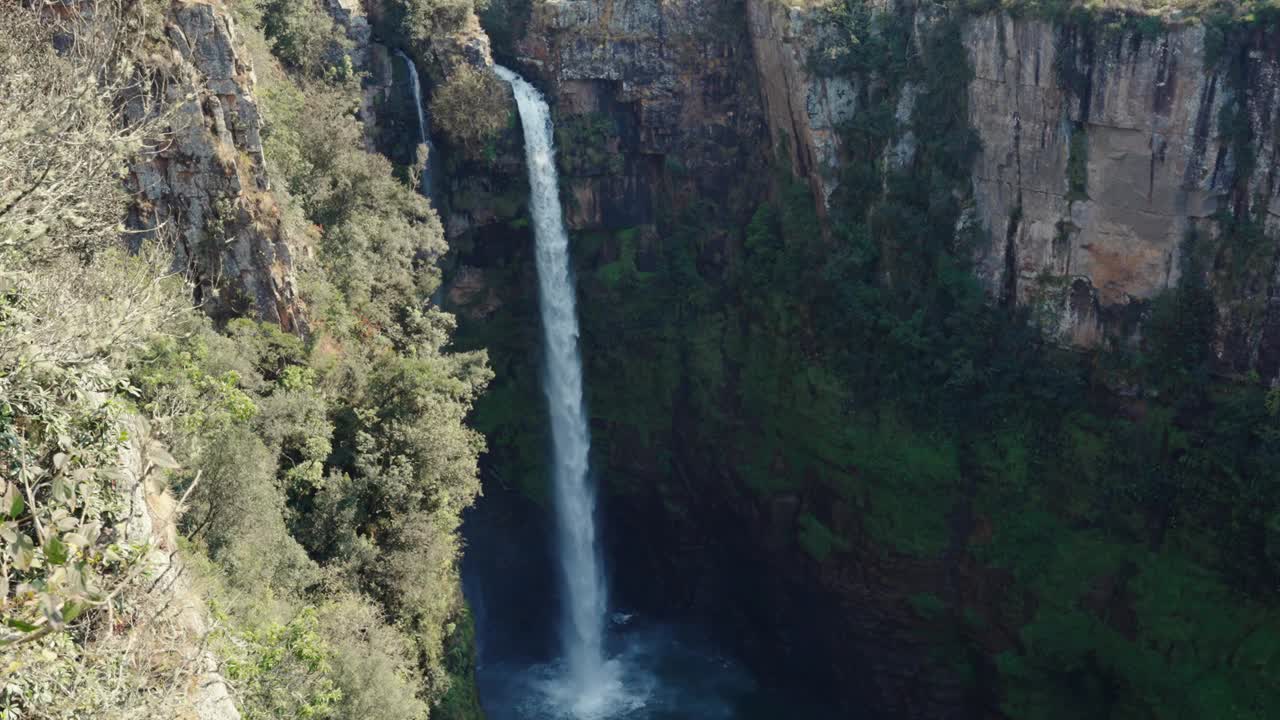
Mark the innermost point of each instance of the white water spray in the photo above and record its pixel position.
(424, 133)
(585, 594)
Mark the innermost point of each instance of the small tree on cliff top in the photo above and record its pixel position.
(428, 20)
(471, 108)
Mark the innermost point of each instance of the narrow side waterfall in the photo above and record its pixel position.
(585, 594)
(424, 132)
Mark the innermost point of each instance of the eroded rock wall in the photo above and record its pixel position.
(804, 111)
(1152, 167)
(207, 186)
(1102, 150)
(656, 110)
(171, 603)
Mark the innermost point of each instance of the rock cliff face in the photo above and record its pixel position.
(207, 187)
(668, 91)
(660, 125)
(1102, 150)
(804, 111)
(1158, 165)
(656, 111)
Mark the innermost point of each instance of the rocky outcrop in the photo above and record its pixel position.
(351, 16)
(1102, 149)
(170, 604)
(1141, 128)
(804, 111)
(655, 109)
(207, 187)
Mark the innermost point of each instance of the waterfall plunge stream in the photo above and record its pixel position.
(607, 668)
(424, 132)
(585, 603)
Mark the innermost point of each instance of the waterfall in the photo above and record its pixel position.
(585, 595)
(424, 131)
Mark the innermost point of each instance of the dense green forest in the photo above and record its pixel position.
(321, 478)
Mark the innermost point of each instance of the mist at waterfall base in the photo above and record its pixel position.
(582, 662)
(664, 669)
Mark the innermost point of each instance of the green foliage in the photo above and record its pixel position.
(373, 463)
(374, 663)
(586, 146)
(322, 479)
(471, 107)
(303, 35)
(331, 461)
(63, 423)
(71, 310)
(1179, 332)
(78, 462)
(504, 22)
(859, 39)
(927, 605)
(329, 655)
(380, 239)
(65, 140)
(1074, 502)
(423, 23)
(857, 364)
(283, 670)
(462, 701)
(623, 270)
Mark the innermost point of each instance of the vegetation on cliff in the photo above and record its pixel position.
(321, 478)
(1131, 524)
(471, 107)
(435, 31)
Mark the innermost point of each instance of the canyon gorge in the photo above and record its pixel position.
(884, 559)
(594, 359)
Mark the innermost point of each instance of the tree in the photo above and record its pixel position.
(68, 123)
(427, 20)
(472, 107)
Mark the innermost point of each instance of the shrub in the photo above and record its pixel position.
(282, 670)
(65, 329)
(471, 107)
(1078, 163)
(352, 442)
(64, 140)
(428, 20)
(304, 36)
(373, 663)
